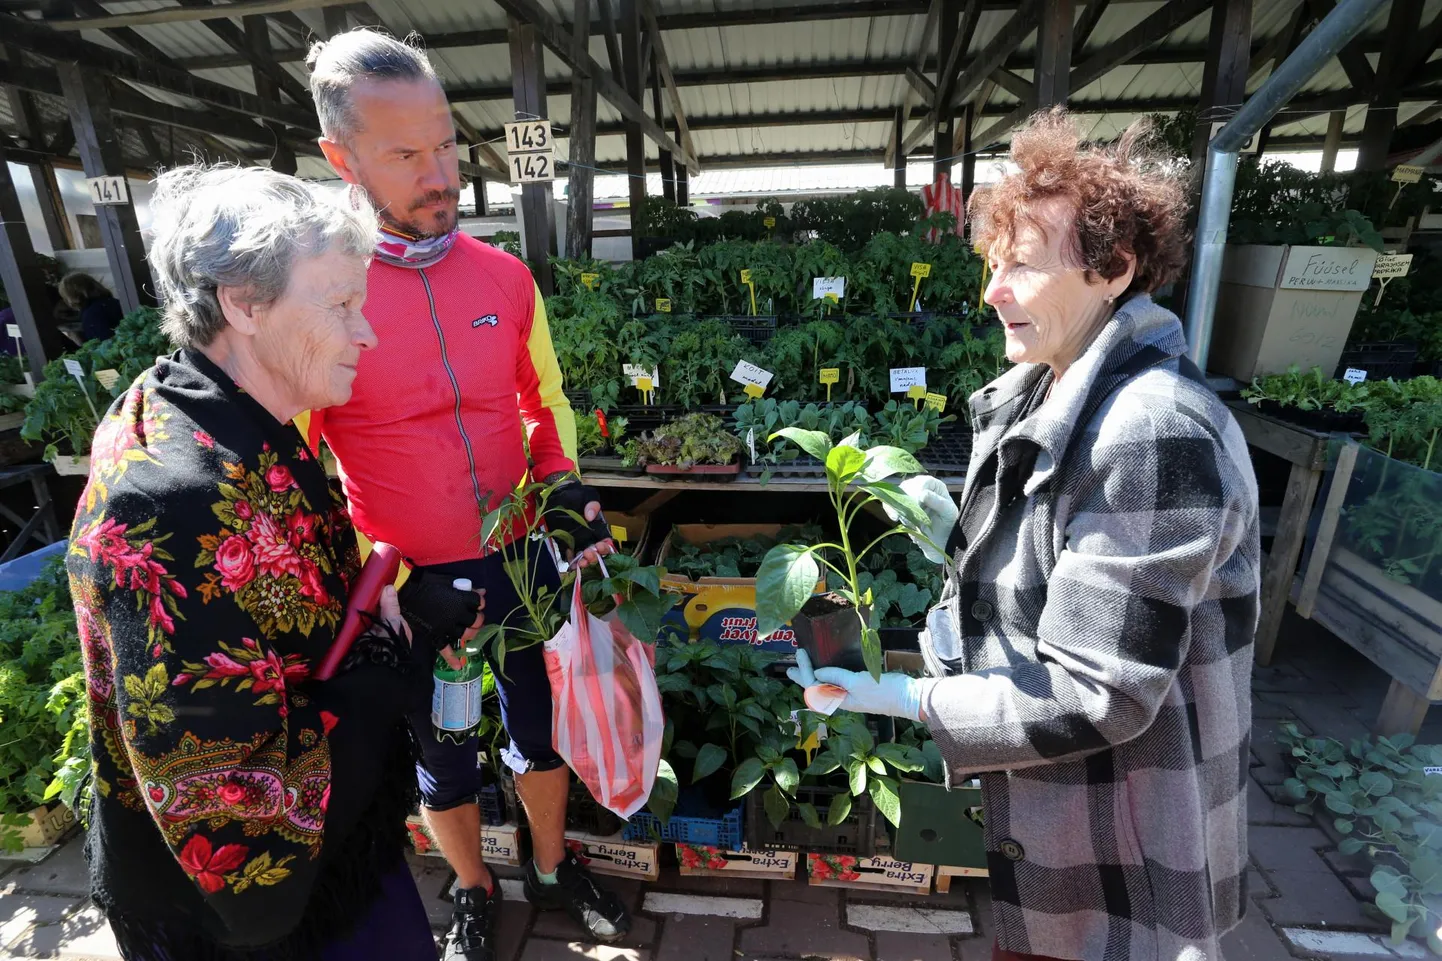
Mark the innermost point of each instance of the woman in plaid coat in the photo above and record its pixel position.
(1091, 657)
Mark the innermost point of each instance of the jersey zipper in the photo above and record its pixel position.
(456, 388)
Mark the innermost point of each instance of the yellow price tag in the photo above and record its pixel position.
(770, 222)
(618, 534)
(643, 384)
(590, 280)
(936, 402)
(746, 276)
(107, 378)
(921, 270)
(754, 390)
(831, 375)
(663, 306)
(916, 392)
(833, 298)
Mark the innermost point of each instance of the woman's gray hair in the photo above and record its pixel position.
(361, 54)
(242, 227)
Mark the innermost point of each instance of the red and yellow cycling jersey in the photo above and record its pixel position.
(464, 372)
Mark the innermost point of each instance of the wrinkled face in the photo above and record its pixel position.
(1047, 305)
(404, 154)
(311, 337)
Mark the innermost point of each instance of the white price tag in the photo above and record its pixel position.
(751, 442)
(1407, 174)
(107, 378)
(528, 136)
(1428, 771)
(108, 190)
(748, 373)
(1354, 376)
(13, 330)
(530, 168)
(634, 371)
(73, 368)
(822, 286)
(905, 378)
(1392, 265)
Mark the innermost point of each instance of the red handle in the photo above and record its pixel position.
(380, 569)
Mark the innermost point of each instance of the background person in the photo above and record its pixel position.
(100, 313)
(1091, 656)
(435, 435)
(240, 809)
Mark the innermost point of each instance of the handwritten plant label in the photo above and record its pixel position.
(107, 378)
(936, 402)
(770, 223)
(1392, 265)
(746, 276)
(663, 305)
(1429, 771)
(13, 330)
(618, 533)
(916, 391)
(920, 270)
(1354, 375)
(73, 368)
(822, 287)
(644, 385)
(590, 280)
(830, 375)
(636, 371)
(905, 378)
(754, 391)
(1406, 174)
(748, 373)
(1328, 268)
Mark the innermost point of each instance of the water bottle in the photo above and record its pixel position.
(456, 700)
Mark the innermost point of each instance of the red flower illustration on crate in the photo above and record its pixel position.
(578, 849)
(419, 841)
(832, 867)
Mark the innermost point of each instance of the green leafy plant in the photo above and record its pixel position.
(871, 767)
(1384, 804)
(690, 440)
(589, 440)
(730, 556)
(907, 426)
(854, 478)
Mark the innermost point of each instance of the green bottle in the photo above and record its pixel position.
(456, 700)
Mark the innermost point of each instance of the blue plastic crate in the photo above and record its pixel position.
(494, 809)
(723, 832)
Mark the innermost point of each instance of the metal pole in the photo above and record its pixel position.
(1334, 32)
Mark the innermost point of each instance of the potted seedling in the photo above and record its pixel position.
(696, 444)
(838, 628)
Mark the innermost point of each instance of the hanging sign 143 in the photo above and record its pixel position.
(528, 136)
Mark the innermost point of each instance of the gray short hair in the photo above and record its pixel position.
(360, 54)
(244, 227)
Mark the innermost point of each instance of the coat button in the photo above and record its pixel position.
(982, 610)
(1011, 850)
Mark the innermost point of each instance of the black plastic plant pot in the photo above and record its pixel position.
(829, 631)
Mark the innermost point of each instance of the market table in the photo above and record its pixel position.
(41, 525)
(668, 489)
(1306, 451)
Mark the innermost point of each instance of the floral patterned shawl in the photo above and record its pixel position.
(209, 562)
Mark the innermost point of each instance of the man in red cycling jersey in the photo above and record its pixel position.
(433, 437)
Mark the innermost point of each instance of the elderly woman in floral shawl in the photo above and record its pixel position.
(240, 808)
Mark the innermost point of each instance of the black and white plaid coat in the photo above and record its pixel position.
(1095, 642)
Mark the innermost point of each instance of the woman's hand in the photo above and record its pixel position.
(895, 694)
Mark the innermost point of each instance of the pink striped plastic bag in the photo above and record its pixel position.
(606, 719)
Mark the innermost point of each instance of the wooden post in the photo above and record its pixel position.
(538, 214)
(899, 135)
(1334, 140)
(257, 38)
(51, 211)
(98, 138)
(945, 131)
(581, 182)
(1224, 77)
(683, 176)
(1281, 565)
(24, 282)
(630, 30)
(335, 21)
(1053, 54)
(1327, 530)
(668, 168)
(968, 159)
(1403, 24)
(1402, 712)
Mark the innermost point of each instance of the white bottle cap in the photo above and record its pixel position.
(462, 583)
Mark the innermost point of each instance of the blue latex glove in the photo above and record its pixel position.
(941, 512)
(898, 695)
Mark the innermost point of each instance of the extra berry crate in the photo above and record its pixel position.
(856, 835)
(723, 832)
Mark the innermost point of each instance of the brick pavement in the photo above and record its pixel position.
(1308, 901)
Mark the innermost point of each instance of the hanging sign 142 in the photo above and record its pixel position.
(530, 168)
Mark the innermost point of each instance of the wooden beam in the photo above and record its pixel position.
(88, 97)
(949, 42)
(126, 37)
(1017, 86)
(1274, 50)
(1292, 36)
(1002, 127)
(663, 159)
(1224, 78)
(673, 96)
(46, 42)
(965, 147)
(580, 188)
(1423, 46)
(253, 43)
(611, 35)
(536, 211)
(893, 150)
(925, 90)
(146, 133)
(1053, 54)
(896, 148)
(1334, 139)
(1351, 57)
(52, 208)
(239, 8)
(1423, 117)
(997, 50)
(1155, 27)
(1090, 17)
(334, 20)
(630, 35)
(1403, 22)
(23, 280)
(558, 39)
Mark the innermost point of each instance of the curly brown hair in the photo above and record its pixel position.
(1127, 199)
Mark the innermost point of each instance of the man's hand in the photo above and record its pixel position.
(895, 694)
(574, 509)
(442, 614)
(449, 653)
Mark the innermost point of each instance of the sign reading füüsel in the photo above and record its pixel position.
(1328, 268)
